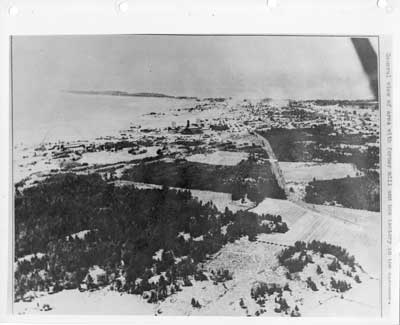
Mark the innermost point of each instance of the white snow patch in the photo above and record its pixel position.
(225, 158)
(29, 257)
(186, 236)
(180, 259)
(158, 255)
(97, 274)
(80, 234)
(224, 230)
(156, 278)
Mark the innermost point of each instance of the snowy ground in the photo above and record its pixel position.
(355, 230)
(226, 158)
(73, 301)
(109, 157)
(28, 162)
(307, 171)
(252, 262)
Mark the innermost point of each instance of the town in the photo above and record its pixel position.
(223, 126)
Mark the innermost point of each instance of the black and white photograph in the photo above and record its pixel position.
(204, 175)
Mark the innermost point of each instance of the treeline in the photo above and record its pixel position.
(325, 248)
(340, 285)
(119, 145)
(127, 226)
(249, 177)
(351, 192)
(286, 256)
(345, 102)
(255, 151)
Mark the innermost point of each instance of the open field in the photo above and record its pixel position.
(307, 171)
(334, 225)
(224, 158)
(109, 157)
(73, 301)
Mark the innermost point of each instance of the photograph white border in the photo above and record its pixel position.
(351, 17)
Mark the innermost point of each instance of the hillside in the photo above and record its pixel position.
(357, 230)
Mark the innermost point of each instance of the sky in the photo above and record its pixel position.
(204, 66)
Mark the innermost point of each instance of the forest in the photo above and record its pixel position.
(125, 227)
(248, 177)
(351, 192)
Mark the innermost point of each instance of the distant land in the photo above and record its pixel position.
(125, 93)
(320, 102)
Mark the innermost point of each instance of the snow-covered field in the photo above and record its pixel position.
(29, 162)
(360, 301)
(307, 171)
(355, 230)
(103, 301)
(226, 158)
(256, 261)
(110, 157)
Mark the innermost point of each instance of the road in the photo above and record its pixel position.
(274, 163)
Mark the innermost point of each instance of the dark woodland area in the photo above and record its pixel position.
(351, 192)
(127, 226)
(248, 177)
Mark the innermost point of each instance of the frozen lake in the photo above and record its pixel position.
(71, 117)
